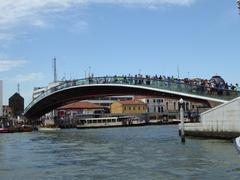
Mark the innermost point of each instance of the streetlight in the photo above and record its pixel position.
(181, 102)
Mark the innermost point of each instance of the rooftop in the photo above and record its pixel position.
(81, 105)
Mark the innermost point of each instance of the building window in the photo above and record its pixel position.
(174, 104)
(129, 108)
(187, 106)
(147, 100)
(166, 105)
(162, 109)
(134, 108)
(154, 101)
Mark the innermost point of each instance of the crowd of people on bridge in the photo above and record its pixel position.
(216, 85)
(215, 82)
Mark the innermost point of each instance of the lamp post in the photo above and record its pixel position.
(182, 120)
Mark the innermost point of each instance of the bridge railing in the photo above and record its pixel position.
(169, 84)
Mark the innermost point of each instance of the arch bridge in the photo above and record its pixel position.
(82, 89)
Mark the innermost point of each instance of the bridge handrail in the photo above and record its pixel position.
(167, 84)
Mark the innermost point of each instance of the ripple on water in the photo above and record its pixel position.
(153, 152)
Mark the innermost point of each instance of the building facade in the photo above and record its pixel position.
(154, 105)
(128, 107)
(107, 101)
(7, 111)
(79, 108)
(171, 105)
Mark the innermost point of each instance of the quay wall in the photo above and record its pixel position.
(222, 121)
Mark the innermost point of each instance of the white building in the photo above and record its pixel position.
(168, 105)
(154, 105)
(1, 98)
(39, 90)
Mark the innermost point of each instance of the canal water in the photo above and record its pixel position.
(152, 152)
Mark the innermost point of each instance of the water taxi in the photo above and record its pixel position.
(109, 122)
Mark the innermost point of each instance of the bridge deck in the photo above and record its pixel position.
(169, 86)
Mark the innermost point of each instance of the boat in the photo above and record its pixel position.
(24, 128)
(13, 129)
(237, 143)
(7, 129)
(105, 122)
(49, 128)
(4, 130)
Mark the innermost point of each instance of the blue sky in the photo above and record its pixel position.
(111, 37)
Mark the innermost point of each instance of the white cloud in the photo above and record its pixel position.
(39, 23)
(6, 65)
(36, 12)
(29, 77)
(6, 36)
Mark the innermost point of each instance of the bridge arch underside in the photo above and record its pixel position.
(66, 96)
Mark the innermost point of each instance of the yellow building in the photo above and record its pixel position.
(128, 107)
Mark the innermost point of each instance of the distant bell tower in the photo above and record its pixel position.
(55, 69)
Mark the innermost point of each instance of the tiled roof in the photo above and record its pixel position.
(145, 97)
(81, 105)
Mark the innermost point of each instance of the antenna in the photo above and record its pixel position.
(238, 5)
(18, 88)
(178, 72)
(55, 69)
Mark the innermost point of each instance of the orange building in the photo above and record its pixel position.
(128, 107)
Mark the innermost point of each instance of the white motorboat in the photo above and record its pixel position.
(237, 143)
(48, 129)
